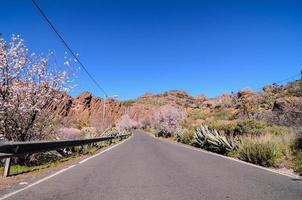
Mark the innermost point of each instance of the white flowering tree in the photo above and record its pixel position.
(166, 119)
(29, 83)
(126, 123)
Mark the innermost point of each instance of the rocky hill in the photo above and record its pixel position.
(87, 111)
(275, 104)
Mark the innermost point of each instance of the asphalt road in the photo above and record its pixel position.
(147, 168)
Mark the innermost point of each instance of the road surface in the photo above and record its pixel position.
(146, 168)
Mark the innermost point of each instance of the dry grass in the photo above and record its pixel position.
(266, 150)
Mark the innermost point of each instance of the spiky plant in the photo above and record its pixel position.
(178, 133)
(212, 140)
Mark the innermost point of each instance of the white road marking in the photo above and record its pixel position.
(82, 161)
(23, 183)
(36, 183)
(234, 159)
(59, 172)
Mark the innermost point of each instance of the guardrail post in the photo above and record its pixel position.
(7, 167)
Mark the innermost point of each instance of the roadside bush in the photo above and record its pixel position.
(79, 124)
(298, 162)
(41, 158)
(250, 126)
(246, 127)
(158, 134)
(297, 151)
(90, 132)
(185, 136)
(264, 151)
(128, 103)
(277, 130)
(223, 126)
(188, 136)
(197, 114)
(298, 143)
(295, 88)
(222, 114)
(218, 114)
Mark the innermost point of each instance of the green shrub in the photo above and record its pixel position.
(294, 88)
(233, 153)
(197, 114)
(298, 161)
(211, 140)
(246, 127)
(225, 126)
(297, 151)
(261, 151)
(158, 134)
(221, 114)
(128, 103)
(79, 124)
(276, 130)
(217, 114)
(188, 136)
(250, 126)
(184, 135)
(298, 144)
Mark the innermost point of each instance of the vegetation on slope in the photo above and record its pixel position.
(262, 128)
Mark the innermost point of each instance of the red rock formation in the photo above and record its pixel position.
(87, 110)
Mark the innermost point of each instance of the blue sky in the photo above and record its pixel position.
(132, 47)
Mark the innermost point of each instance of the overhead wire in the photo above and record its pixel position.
(280, 81)
(68, 48)
(86, 70)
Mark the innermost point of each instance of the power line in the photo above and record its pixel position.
(281, 81)
(67, 46)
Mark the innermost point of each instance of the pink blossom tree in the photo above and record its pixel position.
(29, 83)
(126, 123)
(166, 119)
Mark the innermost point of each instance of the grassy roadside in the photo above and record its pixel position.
(19, 172)
(266, 152)
(20, 169)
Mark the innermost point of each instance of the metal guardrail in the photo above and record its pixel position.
(5, 155)
(11, 149)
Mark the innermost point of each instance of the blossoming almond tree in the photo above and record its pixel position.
(126, 123)
(167, 119)
(29, 83)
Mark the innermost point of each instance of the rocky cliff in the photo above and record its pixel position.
(87, 111)
(275, 104)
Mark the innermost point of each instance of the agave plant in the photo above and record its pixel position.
(178, 133)
(212, 140)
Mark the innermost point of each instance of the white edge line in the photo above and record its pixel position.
(82, 161)
(233, 159)
(59, 172)
(37, 182)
